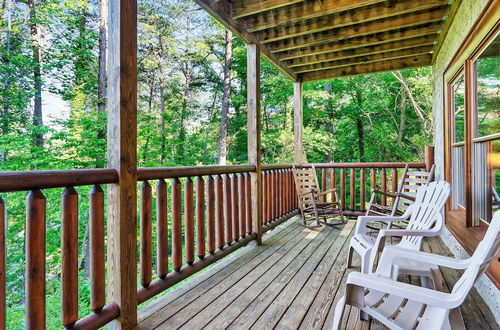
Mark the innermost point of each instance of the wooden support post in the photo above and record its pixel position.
(254, 145)
(429, 157)
(122, 156)
(298, 125)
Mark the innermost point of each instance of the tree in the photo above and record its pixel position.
(225, 98)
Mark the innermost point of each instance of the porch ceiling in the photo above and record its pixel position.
(320, 39)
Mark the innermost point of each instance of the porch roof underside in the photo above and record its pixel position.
(320, 39)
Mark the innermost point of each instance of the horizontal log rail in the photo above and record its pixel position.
(190, 217)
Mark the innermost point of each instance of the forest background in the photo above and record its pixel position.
(191, 109)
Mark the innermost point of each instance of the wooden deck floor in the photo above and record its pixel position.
(292, 281)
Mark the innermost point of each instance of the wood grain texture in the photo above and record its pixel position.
(219, 211)
(162, 229)
(235, 207)
(146, 228)
(97, 245)
(211, 214)
(228, 213)
(200, 217)
(189, 220)
(176, 225)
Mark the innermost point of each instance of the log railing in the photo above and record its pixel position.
(189, 218)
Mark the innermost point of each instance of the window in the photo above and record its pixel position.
(458, 147)
(459, 109)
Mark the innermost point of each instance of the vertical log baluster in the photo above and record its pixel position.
(228, 230)
(333, 183)
(289, 191)
(176, 225)
(279, 189)
(97, 270)
(146, 234)
(35, 260)
(189, 220)
(373, 182)
(323, 183)
(242, 195)
(362, 190)
(3, 309)
(235, 208)
(342, 188)
(219, 213)
(248, 203)
(394, 182)
(264, 197)
(383, 178)
(282, 192)
(162, 229)
(200, 217)
(211, 214)
(269, 201)
(275, 194)
(286, 186)
(69, 250)
(352, 187)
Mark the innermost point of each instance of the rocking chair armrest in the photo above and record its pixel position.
(328, 191)
(391, 253)
(411, 198)
(312, 192)
(404, 290)
(375, 191)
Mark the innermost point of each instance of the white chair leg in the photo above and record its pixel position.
(339, 312)
(365, 262)
(349, 257)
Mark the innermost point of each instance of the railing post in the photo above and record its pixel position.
(254, 144)
(122, 156)
(298, 127)
(428, 157)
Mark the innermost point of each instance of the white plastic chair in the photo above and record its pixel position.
(405, 306)
(425, 221)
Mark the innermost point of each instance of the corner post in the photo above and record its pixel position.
(298, 127)
(428, 157)
(122, 156)
(254, 143)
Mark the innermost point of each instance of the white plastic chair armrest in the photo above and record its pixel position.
(390, 253)
(404, 290)
(364, 219)
(404, 232)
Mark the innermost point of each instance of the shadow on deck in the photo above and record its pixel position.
(292, 281)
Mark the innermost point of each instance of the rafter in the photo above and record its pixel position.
(411, 62)
(369, 40)
(306, 10)
(242, 8)
(391, 55)
(220, 10)
(375, 49)
(354, 16)
(382, 25)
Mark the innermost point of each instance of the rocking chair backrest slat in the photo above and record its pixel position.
(430, 200)
(486, 251)
(305, 182)
(412, 180)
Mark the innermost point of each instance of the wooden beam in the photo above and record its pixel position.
(301, 11)
(298, 124)
(416, 61)
(391, 55)
(242, 8)
(364, 41)
(348, 53)
(122, 156)
(220, 11)
(254, 143)
(448, 21)
(357, 30)
(354, 16)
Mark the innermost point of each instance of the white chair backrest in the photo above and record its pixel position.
(429, 201)
(485, 252)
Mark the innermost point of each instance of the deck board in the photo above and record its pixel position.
(292, 281)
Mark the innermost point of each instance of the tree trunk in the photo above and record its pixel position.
(359, 127)
(182, 130)
(163, 146)
(329, 123)
(37, 75)
(101, 84)
(402, 118)
(225, 99)
(6, 81)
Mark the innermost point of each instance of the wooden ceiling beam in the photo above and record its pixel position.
(308, 9)
(352, 31)
(398, 64)
(354, 16)
(375, 49)
(384, 56)
(364, 41)
(220, 11)
(243, 8)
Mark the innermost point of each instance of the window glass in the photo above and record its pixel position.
(488, 90)
(459, 109)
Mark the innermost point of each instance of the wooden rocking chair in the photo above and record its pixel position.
(402, 199)
(312, 202)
